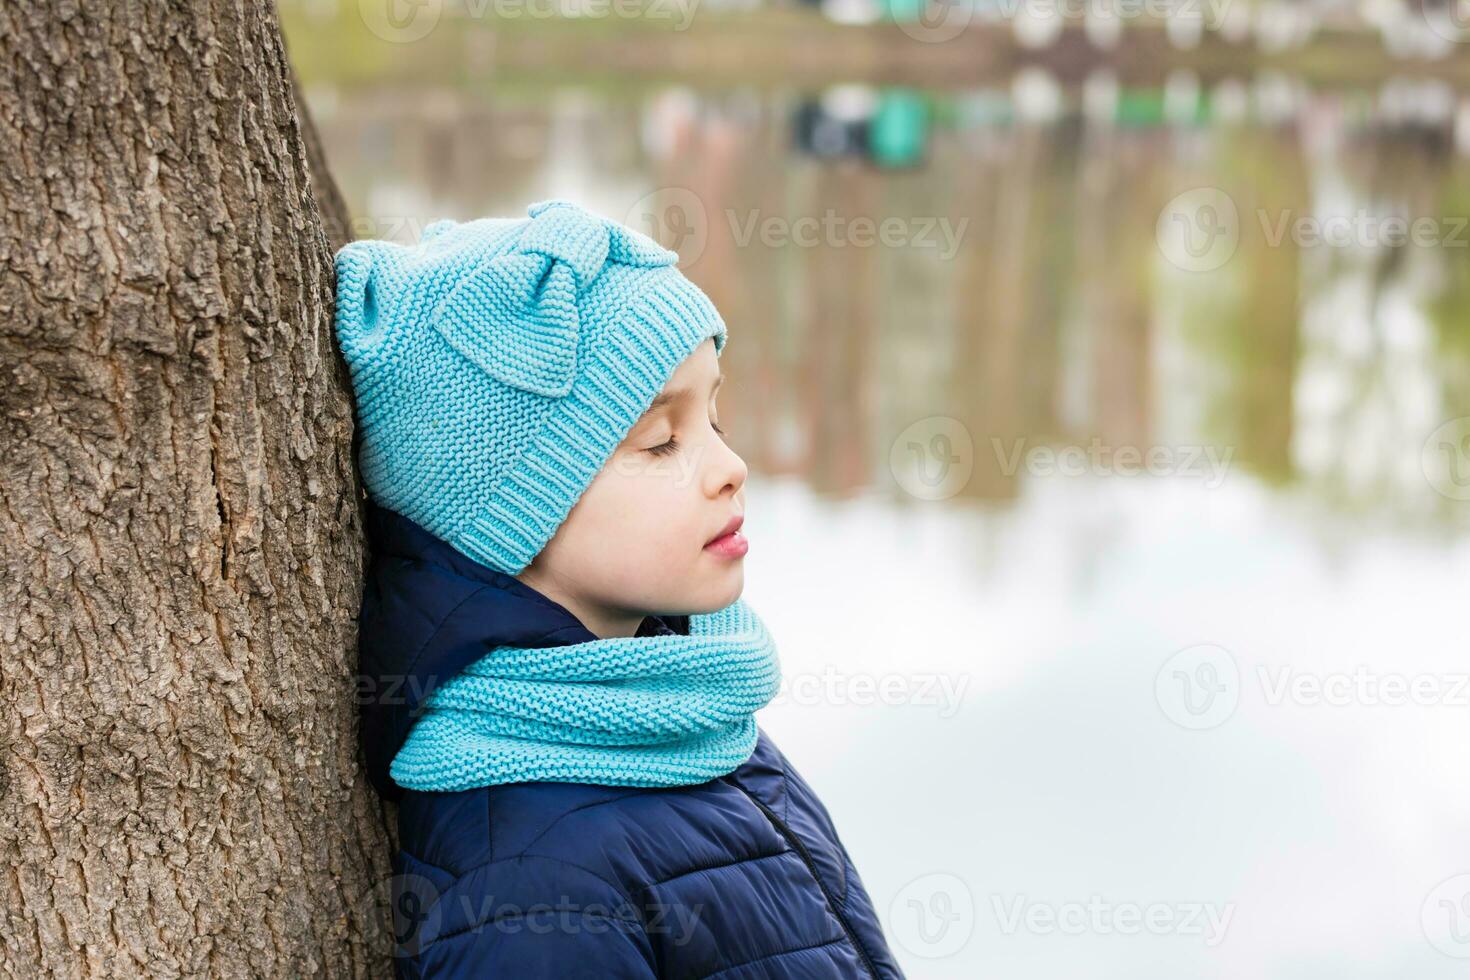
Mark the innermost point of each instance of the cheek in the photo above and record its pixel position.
(637, 516)
(657, 502)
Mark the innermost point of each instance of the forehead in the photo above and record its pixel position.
(701, 368)
(680, 390)
(672, 397)
(701, 363)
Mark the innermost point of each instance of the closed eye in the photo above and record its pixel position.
(667, 449)
(672, 446)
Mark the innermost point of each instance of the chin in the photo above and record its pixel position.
(731, 592)
(711, 599)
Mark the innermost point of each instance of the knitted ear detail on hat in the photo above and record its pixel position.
(563, 231)
(632, 247)
(624, 245)
(515, 318)
(358, 321)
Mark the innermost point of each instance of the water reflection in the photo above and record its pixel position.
(997, 258)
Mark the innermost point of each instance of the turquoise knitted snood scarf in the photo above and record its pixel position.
(624, 711)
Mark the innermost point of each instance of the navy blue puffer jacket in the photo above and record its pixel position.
(741, 877)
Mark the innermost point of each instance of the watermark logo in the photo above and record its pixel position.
(412, 908)
(1445, 459)
(1199, 230)
(933, 458)
(932, 916)
(400, 909)
(1099, 917)
(1100, 459)
(1198, 687)
(832, 686)
(833, 230)
(406, 21)
(680, 11)
(1201, 686)
(676, 218)
(944, 20)
(400, 21)
(939, 21)
(680, 469)
(1362, 229)
(1445, 917)
(1364, 687)
(1449, 19)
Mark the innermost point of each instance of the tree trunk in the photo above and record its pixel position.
(181, 553)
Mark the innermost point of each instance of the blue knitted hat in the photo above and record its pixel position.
(499, 362)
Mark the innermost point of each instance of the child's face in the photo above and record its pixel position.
(634, 544)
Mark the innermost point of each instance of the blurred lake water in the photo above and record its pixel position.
(1110, 453)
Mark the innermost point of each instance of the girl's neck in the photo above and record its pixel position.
(601, 621)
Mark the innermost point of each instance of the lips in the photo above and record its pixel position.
(729, 543)
(731, 526)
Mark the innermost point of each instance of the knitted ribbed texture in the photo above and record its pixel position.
(497, 364)
(666, 710)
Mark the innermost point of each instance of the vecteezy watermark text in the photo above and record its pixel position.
(1200, 687)
(833, 230)
(1099, 917)
(1362, 228)
(1362, 686)
(417, 908)
(1201, 229)
(908, 688)
(934, 916)
(406, 21)
(1100, 459)
(943, 20)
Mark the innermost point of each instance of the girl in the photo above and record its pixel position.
(558, 677)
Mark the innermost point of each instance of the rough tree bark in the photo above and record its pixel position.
(180, 535)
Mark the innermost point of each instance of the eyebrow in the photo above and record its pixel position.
(664, 399)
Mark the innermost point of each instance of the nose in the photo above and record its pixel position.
(727, 471)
